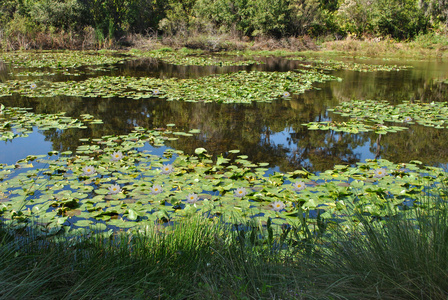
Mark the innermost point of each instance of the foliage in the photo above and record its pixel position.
(332, 64)
(305, 15)
(62, 15)
(179, 17)
(223, 14)
(74, 190)
(267, 17)
(400, 19)
(355, 16)
(189, 259)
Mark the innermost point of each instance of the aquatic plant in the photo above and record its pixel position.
(114, 189)
(332, 64)
(117, 156)
(298, 186)
(156, 189)
(66, 59)
(88, 170)
(192, 198)
(379, 173)
(277, 205)
(197, 59)
(166, 169)
(240, 192)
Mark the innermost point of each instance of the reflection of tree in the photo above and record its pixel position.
(324, 149)
(249, 128)
(412, 84)
(425, 144)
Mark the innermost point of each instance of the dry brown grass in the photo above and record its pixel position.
(385, 48)
(287, 43)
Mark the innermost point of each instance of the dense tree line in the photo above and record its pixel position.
(399, 19)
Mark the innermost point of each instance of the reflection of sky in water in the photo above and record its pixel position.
(18, 148)
(364, 151)
(35, 144)
(156, 150)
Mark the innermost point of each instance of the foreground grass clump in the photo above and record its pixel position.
(402, 257)
(193, 259)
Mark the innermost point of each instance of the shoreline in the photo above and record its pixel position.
(374, 48)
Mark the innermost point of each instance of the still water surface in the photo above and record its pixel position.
(266, 132)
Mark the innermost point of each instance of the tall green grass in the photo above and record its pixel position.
(401, 257)
(190, 260)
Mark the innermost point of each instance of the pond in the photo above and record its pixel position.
(270, 134)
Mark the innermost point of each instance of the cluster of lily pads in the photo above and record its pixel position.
(113, 182)
(19, 122)
(371, 115)
(75, 59)
(331, 64)
(238, 87)
(353, 126)
(179, 58)
(62, 59)
(42, 73)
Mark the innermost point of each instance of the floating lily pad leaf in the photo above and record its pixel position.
(132, 215)
(425, 114)
(102, 191)
(234, 151)
(83, 223)
(200, 150)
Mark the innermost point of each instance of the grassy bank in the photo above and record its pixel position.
(430, 45)
(405, 257)
(424, 46)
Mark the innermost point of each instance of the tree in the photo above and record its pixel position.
(304, 15)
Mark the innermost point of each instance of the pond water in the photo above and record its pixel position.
(325, 167)
(265, 132)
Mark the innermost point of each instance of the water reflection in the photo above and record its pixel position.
(266, 132)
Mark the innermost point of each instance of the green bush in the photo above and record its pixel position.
(401, 19)
(305, 16)
(60, 14)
